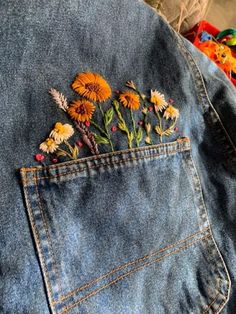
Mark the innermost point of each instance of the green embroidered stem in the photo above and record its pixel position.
(134, 127)
(160, 123)
(145, 114)
(69, 146)
(166, 132)
(139, 93)
(171, 127)
(74, 151)
(145, 118)
(65, 153)
(98, 127)
(106, 132)
(174, 123)
(122, 125)
(100, 108)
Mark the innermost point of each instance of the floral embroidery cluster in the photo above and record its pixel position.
(94, 91)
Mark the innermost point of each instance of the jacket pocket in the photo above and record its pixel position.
(126, 232)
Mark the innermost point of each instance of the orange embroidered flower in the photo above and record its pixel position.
(130, 100)
(171, 113)
(92, 86)
(81, 110)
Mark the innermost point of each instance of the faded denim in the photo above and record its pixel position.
(144, 230)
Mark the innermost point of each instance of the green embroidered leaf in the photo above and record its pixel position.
(108, 116)
(148, 140)
(100, 139)
(75, 152)
(122, 126)
(139, 135)
(159, 130)
(116, 104)
(60, 153)
(168, 132)
(131, 136)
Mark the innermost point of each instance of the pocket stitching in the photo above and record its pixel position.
(105, 164)
(121, 277)
(39, 247)
(36, 179)
(41, 208)
(63, 298)
(179, 143)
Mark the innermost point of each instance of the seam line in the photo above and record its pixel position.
(116, 280)
(123, 161)
(87, 285)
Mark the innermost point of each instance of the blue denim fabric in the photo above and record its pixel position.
(143, 230)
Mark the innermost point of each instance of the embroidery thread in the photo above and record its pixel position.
(122, 114)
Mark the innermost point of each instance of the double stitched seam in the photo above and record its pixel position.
(129, 273)
(220, 307)
(198, 187)
(207, 219)
(176, 144)
(140, 259)
(123, 161)
(38, 243)
(208, 307)
(54, 265)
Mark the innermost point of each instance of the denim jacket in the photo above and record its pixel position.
(142, 229)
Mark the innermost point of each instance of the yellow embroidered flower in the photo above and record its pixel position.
(148, 140)
(81, 110)
(158, 100)
(92, 86)
(130, 84)
(145, 110)
(129, 99)
(171, 113)
(49, 145)
(148, 127)
(61, 132)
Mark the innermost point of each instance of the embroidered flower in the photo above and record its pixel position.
(92, 86)
(99, 129)
(61, 132)
(49, 145)
(158, 100)
(171, 113)
(145, 110)
(148, 140)
(130, 84)
(81, 110)
(129, 100)
(148, 127)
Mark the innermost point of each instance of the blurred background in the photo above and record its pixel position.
(222, 13)
(209, 24)
(184, 14)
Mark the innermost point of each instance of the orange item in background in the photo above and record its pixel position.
(221, 54)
